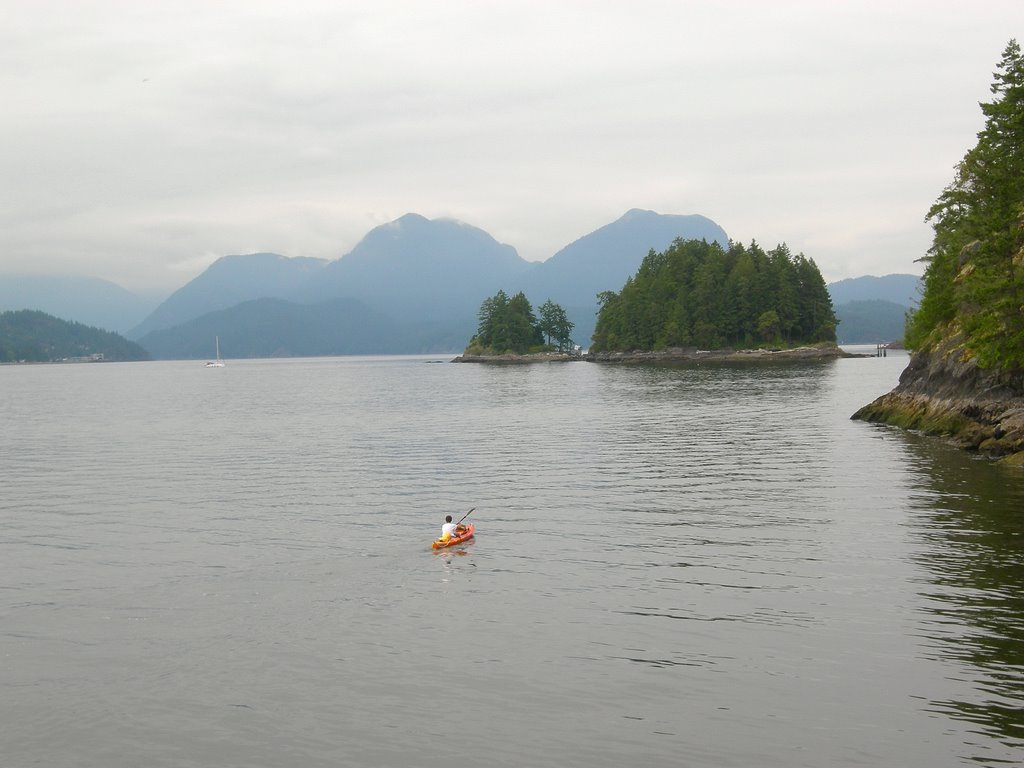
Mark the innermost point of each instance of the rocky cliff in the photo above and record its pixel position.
(944, 392)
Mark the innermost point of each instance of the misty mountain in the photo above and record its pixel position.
(415, 266)
(871, 309)
(899, 289)
(605, 258)
(412, 285)
(229, 281)
(426, 277)
(873, 321)
(87, 300)
(428, 274)
(278, 328)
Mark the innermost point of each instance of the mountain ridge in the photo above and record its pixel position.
(422, 281)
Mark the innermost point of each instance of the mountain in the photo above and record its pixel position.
(604, 259)
(34, 336)
(873, 309)
(427, 277)
(899, 289)
(229, 281)
(88, 300)
(415, 265)
(870, 322)
(278, 328)
(430, 275)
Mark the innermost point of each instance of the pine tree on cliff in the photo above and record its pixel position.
(973, 281)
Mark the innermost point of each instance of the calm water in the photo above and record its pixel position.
(673, 567)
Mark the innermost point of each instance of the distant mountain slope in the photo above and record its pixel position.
(34, 336)
(414, 266)
(88, 300)
(278, 328)
(870, 322)
(898, 288)
(428, 278)
(229, 281)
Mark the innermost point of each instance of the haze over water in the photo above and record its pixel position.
(704, 566)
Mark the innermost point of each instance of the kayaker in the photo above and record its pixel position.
(450, 529)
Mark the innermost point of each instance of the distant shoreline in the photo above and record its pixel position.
(536, 357)
(671, 355)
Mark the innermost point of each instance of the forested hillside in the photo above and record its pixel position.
(699, 294)
(31, 336)
(974, 280)
(965, 379)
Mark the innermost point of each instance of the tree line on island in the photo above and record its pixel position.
(509, 326)
(699, 294)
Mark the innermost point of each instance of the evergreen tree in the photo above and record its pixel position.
(555, 325)
(492, 318)
(696, 293)
(975, 267)
(508, 325)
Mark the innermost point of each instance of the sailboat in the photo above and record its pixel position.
(218, 363)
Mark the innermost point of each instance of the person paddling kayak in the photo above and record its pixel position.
(450, 529)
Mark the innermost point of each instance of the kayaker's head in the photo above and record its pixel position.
(447, 518)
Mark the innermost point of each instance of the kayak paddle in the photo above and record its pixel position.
(466, 515)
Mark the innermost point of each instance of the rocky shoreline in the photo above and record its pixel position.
(694, 355)
(510, 359)
(669, 355)
(943, 392)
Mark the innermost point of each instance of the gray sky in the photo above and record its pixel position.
(140, 141)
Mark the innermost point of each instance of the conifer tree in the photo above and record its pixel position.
(973, 281)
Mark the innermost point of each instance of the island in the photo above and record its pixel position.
(695, 302)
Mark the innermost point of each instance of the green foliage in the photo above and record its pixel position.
(769, 325)
(32, 336)
(555, 326)
(508, 325)
(698, 294)
(973, 281)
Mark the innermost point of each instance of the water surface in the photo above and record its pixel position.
(703, 566)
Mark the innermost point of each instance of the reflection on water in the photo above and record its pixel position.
(971, 523)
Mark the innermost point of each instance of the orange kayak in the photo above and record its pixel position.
(466, 535)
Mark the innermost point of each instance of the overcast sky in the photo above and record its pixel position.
(140, 141)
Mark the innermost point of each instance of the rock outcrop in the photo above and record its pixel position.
(944, 392)
(512, 359)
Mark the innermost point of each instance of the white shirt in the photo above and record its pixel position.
(448, 528)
